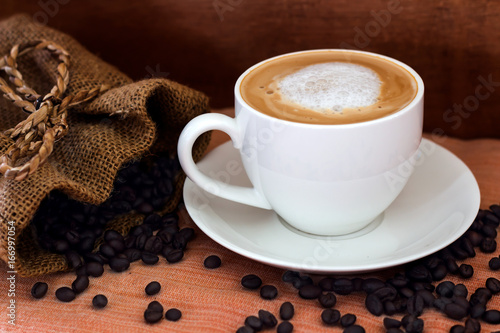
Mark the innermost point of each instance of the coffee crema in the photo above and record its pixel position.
(328, 87)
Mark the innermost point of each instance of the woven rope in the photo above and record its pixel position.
(35, 136)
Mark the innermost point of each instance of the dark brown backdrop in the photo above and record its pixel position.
(206, 44)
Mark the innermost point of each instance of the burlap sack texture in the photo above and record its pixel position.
(85, 162)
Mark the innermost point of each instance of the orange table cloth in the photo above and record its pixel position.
(213, 300)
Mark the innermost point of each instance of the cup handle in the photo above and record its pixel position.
(195, 128)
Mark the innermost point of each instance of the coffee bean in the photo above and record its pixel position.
(140, 241)
(419, 273)
(347, 320)
(390, 308)
(394, 330)
(153, 244)
(407, 320)
(119, 264)
(153, 288)
(287, 311)
(149, 258)
(489, 231)
(132, 254)
(107, 251)
(354, 329)
(94, 257)
(472, 325)
(175, 256)
(439, 272)
(245, 329)
(491, 316)
(80, 284)
(372, 284)
(165, 251)
(455, 311)
(173, 314)
(330, 316)
(254, 322)
(39, 290)
(477, 310)
(94, 269)
(289, 275)
(467, 246)
(73, 259)
(186, 233)
(154, 220)
(386, 293)
(212, 262)
(462, 301)
(302, 281)
(415, 305)
(327, 300)
(391, 323)
(466, 271)
(267, 318)
(310, 291)
(152, 317)
(474, 237)
(398, 281)
(416, 326)
(117, 244)
(406, 292)
(110, 235)
(357, 284)
(445, 289)
(460, 290)
(145, 208)
(457, 329)
(285, 327)
(480, 296)
(155, 306)
(326, 284)
(493, 284)
(268, 292)
(494, 263)
(343, 286)
(99, 301)
(451, 265)
(65, 294)
(251, 281)
(374, 305)
(488, 245)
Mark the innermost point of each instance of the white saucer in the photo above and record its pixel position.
(436, 207)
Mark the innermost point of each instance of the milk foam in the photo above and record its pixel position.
(331, 87)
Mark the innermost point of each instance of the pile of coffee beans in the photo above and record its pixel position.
(409, 293)
(81, 233)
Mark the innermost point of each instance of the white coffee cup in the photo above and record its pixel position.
(320, 179)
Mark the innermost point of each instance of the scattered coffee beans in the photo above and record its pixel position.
(268, 292)
(65, 294)
(153, 288)
(251, 281)
(39, 290)
(99, 301)
(173, 314)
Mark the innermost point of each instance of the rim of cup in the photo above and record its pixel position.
(418, 97)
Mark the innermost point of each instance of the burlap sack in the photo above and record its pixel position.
(84, 163)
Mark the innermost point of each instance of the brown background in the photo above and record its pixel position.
(206, 44)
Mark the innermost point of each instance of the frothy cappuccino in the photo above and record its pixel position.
(328, 87)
